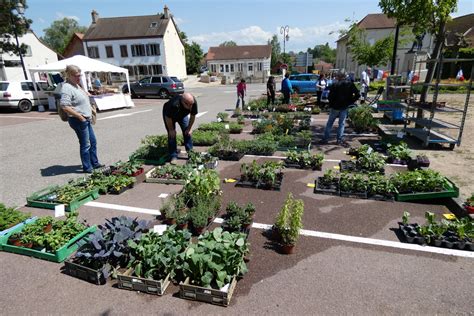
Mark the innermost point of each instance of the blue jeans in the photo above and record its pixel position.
(87, 143)
(188, 141)
(342, 115)
(240, 96)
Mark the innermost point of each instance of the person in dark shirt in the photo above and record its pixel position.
(271, 90)
(181, 109)
(342, 94)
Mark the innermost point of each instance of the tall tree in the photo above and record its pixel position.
(11, 21)
(194, 54)
(324, 52)
(276, 50)
(58, 35)
(425, 16)
(228, 44)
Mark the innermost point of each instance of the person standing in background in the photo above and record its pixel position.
(75, 102)
(241, 92)
(320, 86)
(271, 90)
(365, 83)
(286, 89)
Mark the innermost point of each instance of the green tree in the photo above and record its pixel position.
(194, 54)
(276, 50)
(228, 44)
(7, 28)
(324, 52)
(424, 16)
(365, 53)
(58, 35)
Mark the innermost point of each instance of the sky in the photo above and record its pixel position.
(211, 22)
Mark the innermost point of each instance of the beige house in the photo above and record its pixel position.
(250, 62)
(145, 45)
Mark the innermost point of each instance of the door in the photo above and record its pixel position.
(156, 85)
(143, 86)
(250, 69)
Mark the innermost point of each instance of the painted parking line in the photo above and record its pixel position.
(29, 117)
(124, 208)
(123, 115)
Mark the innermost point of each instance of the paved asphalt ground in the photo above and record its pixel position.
(349, 261)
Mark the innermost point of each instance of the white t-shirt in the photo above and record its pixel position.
(321, 85)
(365, 79)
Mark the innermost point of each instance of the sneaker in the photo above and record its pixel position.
(99, 166)
(88, 171)
(173, 160)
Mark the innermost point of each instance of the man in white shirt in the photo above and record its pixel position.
(365, 82)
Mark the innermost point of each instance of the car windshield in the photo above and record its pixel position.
(175, 79)
(3, 86)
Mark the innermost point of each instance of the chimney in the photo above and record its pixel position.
(166, 12)
(95, 16)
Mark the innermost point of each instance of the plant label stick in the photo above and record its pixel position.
(59, 210)
(159, 229)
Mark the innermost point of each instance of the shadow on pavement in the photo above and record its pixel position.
(58, 170)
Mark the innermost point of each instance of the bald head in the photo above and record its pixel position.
(187, 100)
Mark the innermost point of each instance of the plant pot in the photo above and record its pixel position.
(15, 242)
(461, 244)
(138, 172)
(171, 221)
(469, 246)
(448, 244)
(287, 249)
(469, 209)
(182, 226)
(48, 228)
(199, 230)
(437, 242)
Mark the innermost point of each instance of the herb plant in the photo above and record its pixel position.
(10, 217)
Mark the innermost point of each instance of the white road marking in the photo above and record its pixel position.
(201, 114)
(122, 115)
(28, 117)
(123, 208)
(372, 241)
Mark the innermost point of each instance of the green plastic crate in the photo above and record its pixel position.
(88, 196)
(451, 190)
(59, 256)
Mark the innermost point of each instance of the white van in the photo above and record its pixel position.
(22, 95)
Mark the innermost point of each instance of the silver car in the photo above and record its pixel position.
(161, 86)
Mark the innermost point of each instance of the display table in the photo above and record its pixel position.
(112, 101)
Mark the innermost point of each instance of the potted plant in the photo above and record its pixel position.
(289, 222)
(132, 168)
(327, 184)
(399, 154)
(10, 217)
(469, 205)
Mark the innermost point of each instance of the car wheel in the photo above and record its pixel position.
(163, 94)
(25, 106)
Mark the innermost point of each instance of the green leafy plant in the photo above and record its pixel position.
(205, 138)
(216, 259)
(418, 181)
(172, 172)
(405, 218)
(361, 118)
(289, 220)
(222, 117)
(372, 161)
(305, 159)
(10, 217)
(399, 152)
(201, 184)
(129, 167)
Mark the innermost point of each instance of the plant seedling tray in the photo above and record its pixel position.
(298, 166)
(230, 156)
(84, 273)
(59, 256)
(357, 195)
(150, 179)
(117, 192)
(6, 231)
(319, 190)
(213, 296)
(450, 190)
(259, 185)
(347, 165)
(33, 200)
(156, 161)
(127, 281)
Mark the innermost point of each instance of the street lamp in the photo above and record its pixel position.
(285, 30)
(20, 9)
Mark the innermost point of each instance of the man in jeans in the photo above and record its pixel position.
(181, 109)
(342, 94)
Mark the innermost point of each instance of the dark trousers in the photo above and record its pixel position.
(188, 141)
(318, 96)
(286, 97)
(271, 97)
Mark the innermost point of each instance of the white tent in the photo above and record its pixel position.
(86, 64)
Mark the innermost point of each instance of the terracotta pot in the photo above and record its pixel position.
(28, 245)
(470, 209)
(48, 228)
(171, 221)
(199, 230)
(15, 242)
(138, 172)
(287, 249)
(183, 226)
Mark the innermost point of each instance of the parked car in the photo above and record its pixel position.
(22, 94)
(161, 86)
(304, 83)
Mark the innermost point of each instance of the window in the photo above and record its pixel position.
(250, 66)
(109, 51)
(231, 67)
(222, 68)
(138, 50)
(28, 51)
(226, 68)
(12, 63)
(154, 24)
(144, 80)
(27, 86)
(131, 70)
(240, 67)
(93, 52)
(123, 51)
(143, 70)
(213, 68)
(156, 80)
(164, 79)
(156, 69)
(153, 49)
(259, 66)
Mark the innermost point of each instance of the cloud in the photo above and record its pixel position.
(252, 35)
(299, 38)
(61, 16)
